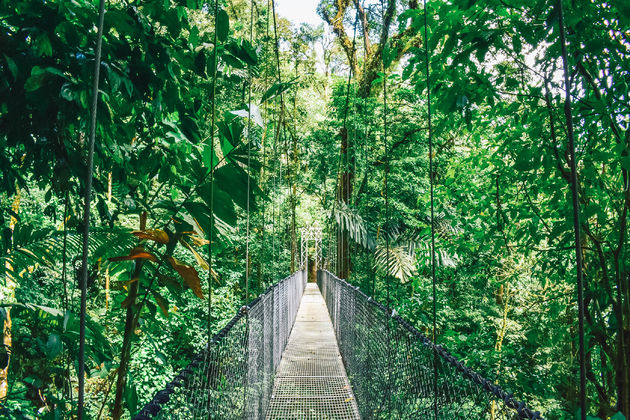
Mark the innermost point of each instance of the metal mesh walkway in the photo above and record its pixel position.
(311, 382)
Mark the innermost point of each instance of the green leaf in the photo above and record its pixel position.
(624, 7)
(182, 226)
(199, 212)
(161, 301)
(223, 207)
(43, 45)
(13, 68)
(223, 25)
(53, 346)
(277, 89)
(35, 80)
(389, 54)
(208, 160)
(233, 180)
(516, 42)
(232, 61)
(244, 52)
(200, 63)
(131, 397)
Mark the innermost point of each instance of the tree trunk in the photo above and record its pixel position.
(344, 195)
(125, 352)
(623, 355)
(500, 336)
(130, 321)
(623, 384)
(7, 340)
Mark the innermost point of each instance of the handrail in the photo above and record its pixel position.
(233, 376)
(390, 364)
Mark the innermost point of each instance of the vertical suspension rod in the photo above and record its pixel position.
(249, 153)
(432, 219)
(576, 209)
(86, 207)
(247, 234)
(212, 164)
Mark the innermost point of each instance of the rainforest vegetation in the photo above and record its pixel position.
(237, 128)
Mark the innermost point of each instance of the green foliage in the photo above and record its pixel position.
(504, 257)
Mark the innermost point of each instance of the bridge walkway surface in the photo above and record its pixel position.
(311, 381)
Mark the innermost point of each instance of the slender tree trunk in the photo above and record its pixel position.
(505, 293)
(109, 201)
(7, 340)
(623, 384)
(623, 344)
(125, 352)
(345, 195)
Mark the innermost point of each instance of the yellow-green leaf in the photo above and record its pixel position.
(136, 253)
(161, 301)
(156, 235)
(200, 260)
(189, 274)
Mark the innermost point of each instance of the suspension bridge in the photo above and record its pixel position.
(326, 350)
(322, 349)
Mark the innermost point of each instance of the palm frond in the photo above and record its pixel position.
(350, 221)
(44, 247)
(442, 257)
(395, 261)
(443, 225)
(412, 242)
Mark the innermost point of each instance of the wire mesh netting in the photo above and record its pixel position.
(233, 376)
(396, 372)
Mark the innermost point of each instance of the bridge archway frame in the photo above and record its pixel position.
(307, 235)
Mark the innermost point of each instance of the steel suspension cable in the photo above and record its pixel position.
(247, 233)
(86, 208)
(344, 181)
(432, 219)
(386, 233)
(388, 393)
(386, 186)
(64, 261)
(263, 247)
(366, 161)
(212, 165)
(281, 116)
(66, 302)
(576, 209)
(249, 152)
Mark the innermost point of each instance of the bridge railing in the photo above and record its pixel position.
(232, 378)
(396, 372)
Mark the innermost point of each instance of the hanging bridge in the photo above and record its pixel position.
(327, 351)
(323, 350)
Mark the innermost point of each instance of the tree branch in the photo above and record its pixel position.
(364, 26)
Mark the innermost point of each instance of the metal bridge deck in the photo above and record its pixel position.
(311, 382)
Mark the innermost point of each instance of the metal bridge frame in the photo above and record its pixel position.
(307, 234)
